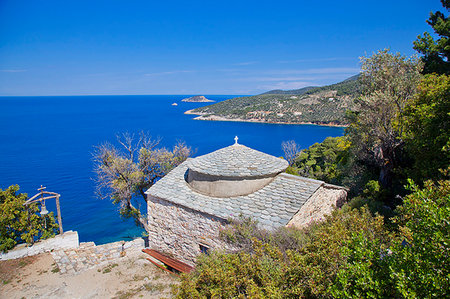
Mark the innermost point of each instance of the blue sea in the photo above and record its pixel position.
(50, 141)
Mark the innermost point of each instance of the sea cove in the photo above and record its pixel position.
(50, 141)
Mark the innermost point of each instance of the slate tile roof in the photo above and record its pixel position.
(273, 206)
(238, 161)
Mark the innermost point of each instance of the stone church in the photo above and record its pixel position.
(190, 205)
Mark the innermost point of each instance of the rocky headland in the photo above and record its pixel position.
(197, 99)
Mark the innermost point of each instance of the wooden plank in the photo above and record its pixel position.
(58, 210)
(33, 199)
(48, 192)
(161, 267)
(180, 266)
(177, 265)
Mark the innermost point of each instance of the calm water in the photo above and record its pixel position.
(50, 140)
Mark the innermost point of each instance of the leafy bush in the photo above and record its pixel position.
(427, 130)
(19, 223)
(347, 239)
(235, 275)
(244, 230)
(333, 162)
(351, 254)
(421, 255)
(276, 267)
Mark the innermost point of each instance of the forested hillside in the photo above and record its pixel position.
(319, 105)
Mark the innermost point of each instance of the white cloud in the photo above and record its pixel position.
(272, 79)
(168, 73)
(335, 70)
(286, 85)
(13, 71)
(316, 59)
(246, 63)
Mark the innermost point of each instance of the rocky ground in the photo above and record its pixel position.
(129, 276)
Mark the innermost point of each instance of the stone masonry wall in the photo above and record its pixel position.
(88, 255)
(68, 240)
(321, 203)
(178, 231)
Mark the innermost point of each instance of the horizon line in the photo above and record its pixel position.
(118, 95)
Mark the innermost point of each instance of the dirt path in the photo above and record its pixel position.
(39, 277)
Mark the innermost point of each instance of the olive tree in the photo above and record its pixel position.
(388, 81)
(125, 172)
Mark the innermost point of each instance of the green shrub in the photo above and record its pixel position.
(427, 130)
(19, 223)
(421, 255)
(291, 263)
(244, 230)
(351, 254)
(324, 161)
(235, 275)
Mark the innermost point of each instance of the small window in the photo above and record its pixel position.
(204, 249)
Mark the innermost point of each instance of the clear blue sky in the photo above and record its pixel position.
(51, 47)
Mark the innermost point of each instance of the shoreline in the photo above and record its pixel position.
(253, 120)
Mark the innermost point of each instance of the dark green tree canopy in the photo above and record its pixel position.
(427, 129)
(436, 52)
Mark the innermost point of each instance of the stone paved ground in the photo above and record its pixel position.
(89, 255)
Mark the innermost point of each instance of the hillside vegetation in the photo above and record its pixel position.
(392, 239)
(318, 105)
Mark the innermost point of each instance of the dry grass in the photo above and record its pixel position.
(10, 269)
(128, 277)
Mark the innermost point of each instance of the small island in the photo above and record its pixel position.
(197, 99)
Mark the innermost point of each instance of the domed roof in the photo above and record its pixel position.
(238, 161)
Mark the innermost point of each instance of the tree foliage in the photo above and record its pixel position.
(427, 129)
(325, 161)
(351, 254)
(19, 223)
(244, 230)
(310, 268)
(436, 52)
(388, 82)
(124, 173)
(401, 128)
(421, 255)
(399, 131)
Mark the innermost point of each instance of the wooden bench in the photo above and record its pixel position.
(170, 262)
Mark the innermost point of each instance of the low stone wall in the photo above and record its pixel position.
(89, 255)
(68, 240)
(178, 231)
(321, 203)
